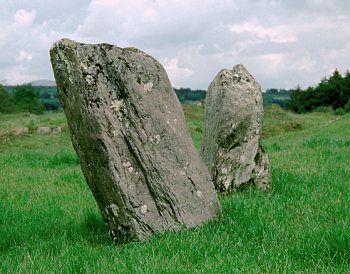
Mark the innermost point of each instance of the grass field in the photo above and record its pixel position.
(49, 222)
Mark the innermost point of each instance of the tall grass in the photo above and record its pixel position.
(49, 221)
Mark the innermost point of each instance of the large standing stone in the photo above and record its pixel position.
(233, 122)
(128, 129)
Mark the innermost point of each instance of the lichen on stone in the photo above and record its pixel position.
(116, 105)
(148, 87)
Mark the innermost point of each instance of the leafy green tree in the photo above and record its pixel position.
(189, 95)
(347, 107)
(26, 98)
(347, 88)
(6, 104)
(331, 92)
(272, 90)
(297, 100)
(334, 91)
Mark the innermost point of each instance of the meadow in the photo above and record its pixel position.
(49, 221)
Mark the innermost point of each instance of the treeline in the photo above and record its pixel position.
(332, 92)
(47, 95)
(23, 98)
(39, 99)
(45, 98)
(276, 96)
(270, 96)
(186, 95)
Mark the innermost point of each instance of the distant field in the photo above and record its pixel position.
(49, 222)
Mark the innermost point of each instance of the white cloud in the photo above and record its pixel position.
(276, 34)
(24, 18)
(339, 58)
(177, 74)
(24, 56)
(321, 4)
(275, 63)
(306, 64)
(282, 43)
(245, 44)
(20, 73)
(342, 17)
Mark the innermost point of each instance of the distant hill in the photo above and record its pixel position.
(43, 83)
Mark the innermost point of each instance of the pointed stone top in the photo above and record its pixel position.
(240, 68)
(238, 75)
(241, 74)
(73, 44)
(65, 41)
(69, 43)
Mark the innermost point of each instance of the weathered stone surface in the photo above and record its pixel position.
(233, 123)
(44, 130)
(20, 130)
(57, 129)
(128, 129)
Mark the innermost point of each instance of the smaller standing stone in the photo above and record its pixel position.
(233, 123)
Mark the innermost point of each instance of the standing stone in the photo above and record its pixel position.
(128, 129)
(233, 123)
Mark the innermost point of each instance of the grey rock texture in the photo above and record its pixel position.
(128, 129)
(20, 131)
(43, 130)
(233, 123)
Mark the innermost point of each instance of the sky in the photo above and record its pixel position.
(282, 43)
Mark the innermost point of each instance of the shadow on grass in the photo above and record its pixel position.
(40, 234)
(94, 230)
